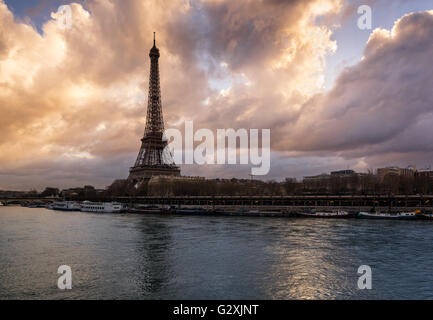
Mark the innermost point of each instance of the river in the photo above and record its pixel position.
(126, 256)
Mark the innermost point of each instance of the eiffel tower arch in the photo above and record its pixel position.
(153, 158)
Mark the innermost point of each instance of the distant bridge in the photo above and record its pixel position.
(19, 200)
(396, 201)
(343, 201)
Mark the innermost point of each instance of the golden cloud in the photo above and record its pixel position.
(80, 94)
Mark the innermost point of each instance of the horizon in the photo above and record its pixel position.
(372, 171)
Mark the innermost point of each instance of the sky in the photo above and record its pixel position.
(73, 101)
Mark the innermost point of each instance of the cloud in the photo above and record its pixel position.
(80, 94)
(381, 105)
(73, 102)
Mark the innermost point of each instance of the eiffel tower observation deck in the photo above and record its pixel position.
(153, 158)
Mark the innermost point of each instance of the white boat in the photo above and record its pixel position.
(101, 207)
(383, 215)
(65, 206)
(325, 214)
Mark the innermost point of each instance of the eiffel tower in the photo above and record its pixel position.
(153, 158)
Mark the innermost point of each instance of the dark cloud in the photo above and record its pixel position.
(382, 102)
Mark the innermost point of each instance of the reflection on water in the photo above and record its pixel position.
(176, 257)
(151, 257)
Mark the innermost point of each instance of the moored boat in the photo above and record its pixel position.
(65, 206)
(101, 207)
(325, 214)
(145, 209)
(424, 215)
(259, 213)
(191, 211)
(390, 216)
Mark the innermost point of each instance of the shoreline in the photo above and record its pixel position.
(292, 212)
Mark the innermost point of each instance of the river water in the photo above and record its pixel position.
(126, 256)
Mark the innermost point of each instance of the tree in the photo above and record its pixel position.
(50, 192)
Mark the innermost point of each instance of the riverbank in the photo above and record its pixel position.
(404, 213)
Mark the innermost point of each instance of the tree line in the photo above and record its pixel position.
(368, 184)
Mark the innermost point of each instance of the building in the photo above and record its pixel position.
(343, 173)
(320, 177)
(153, 157)
(395, 171)
(161, 178)
(424, 173)
(318, 183)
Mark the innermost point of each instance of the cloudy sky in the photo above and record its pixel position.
(73, 102)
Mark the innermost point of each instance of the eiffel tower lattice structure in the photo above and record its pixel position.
(153, 158)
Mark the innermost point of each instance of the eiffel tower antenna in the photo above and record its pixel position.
(153, 158)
